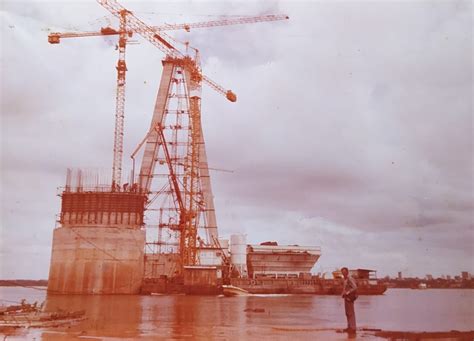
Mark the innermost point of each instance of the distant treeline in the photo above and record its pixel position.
(23, 282)
(437, 283)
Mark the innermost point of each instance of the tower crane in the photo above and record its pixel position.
(194, 183)
(124, 32)
(175, 129)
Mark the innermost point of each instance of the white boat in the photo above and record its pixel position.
(231, 290)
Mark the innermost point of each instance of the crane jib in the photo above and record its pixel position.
(164, 42)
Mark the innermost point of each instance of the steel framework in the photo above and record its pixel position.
(173, 148)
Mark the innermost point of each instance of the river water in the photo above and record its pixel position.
(296, 317)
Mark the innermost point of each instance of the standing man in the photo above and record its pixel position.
(349, 294)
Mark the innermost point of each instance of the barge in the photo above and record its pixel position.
(242, 269)
(309, 284)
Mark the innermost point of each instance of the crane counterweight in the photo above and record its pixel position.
(231, 96)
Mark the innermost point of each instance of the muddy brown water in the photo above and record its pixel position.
(276, 317)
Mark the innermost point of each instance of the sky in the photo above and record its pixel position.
(353, 128)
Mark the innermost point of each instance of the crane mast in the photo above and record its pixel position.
(194, 186)
(120, 104)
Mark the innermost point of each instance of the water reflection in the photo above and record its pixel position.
(214, 318)
(201, 317)
(106, 315)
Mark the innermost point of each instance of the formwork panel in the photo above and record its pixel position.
(102, 208)
(87, 276)
(108, 276)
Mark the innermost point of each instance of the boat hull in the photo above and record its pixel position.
(230, 290)
(301, 286)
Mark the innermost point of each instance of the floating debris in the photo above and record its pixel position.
(26, 315)
(255, 310)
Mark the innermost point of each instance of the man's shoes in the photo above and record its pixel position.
(349, 330)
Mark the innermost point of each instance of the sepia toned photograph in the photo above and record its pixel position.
(236, 170)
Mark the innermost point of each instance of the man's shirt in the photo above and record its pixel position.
(349, 285)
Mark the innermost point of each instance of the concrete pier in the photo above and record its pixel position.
(99, 246)
(96, 260)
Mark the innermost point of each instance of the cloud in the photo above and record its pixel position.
(353, 128)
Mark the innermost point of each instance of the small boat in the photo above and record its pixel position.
(231, 290)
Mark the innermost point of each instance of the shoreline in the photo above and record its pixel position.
(327, 333)
(439, 335)
(386, 334)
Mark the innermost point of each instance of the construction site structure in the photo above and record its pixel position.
(99, 245)
(238, 254)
